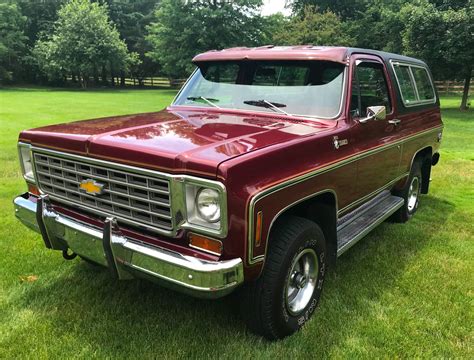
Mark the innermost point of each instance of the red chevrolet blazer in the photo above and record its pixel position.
(269, 164)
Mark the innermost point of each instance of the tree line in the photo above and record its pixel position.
(103, 41)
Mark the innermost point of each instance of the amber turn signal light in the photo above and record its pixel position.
(258, 229)
(206, 244)
(33, 189)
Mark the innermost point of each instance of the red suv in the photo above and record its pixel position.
(270, 163)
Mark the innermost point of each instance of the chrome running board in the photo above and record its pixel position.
(358, 223)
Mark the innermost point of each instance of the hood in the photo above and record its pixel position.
(173, 140)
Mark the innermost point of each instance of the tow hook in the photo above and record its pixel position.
(68, 256)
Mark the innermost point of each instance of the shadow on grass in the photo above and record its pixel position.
(137, 317)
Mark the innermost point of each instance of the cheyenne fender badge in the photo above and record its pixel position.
(338, 143)
(91, 187)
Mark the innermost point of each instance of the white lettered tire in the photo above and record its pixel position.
(287, 293)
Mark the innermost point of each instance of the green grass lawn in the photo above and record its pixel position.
(403, 291)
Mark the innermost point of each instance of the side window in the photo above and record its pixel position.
(414, 83)
(423, 83)
(407, 87)
(369, 88)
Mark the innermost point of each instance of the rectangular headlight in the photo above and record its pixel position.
(24, 152)
(203, 206)
(206, 206)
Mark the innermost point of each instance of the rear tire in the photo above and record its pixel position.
(285, 296)
(410, 193)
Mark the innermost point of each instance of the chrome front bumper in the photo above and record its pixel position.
(127, 257)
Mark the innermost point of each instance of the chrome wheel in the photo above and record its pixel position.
(413, 193)
(301, 281)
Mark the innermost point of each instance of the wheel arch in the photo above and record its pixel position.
(424, 155)
(320, 208)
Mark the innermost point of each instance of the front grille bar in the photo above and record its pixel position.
(131, 197)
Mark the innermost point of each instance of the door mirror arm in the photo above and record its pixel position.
(374, 113)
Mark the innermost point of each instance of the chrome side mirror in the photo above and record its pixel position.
(374, 113)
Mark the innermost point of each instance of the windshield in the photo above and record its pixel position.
(303, 88)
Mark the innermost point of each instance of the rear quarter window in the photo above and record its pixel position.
(423, 83)
(414, 83)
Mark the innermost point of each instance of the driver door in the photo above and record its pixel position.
(378, 163)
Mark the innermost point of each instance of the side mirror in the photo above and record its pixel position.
(374, 113)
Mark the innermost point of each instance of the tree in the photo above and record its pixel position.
(443, 38)
(83, 42)
(272, 26)
(40, 17)
(346, 9)
(183, 29)
(132, 19)
(314, 27)
(12, 40)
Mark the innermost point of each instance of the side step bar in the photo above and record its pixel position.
(355, 225)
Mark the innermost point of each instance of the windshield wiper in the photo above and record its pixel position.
(210, 101)
(267, 104)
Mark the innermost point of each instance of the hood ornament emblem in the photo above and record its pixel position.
(91, 187)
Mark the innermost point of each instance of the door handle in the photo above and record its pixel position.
(394, 122)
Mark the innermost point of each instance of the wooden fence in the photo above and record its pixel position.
(449, 87)
(155, 82)
(160, 82)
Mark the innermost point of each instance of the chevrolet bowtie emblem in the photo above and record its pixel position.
(91, 187)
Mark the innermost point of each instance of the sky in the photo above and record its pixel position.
(274, 6)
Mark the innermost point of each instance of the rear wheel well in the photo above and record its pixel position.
(321, 209)
(424, 156)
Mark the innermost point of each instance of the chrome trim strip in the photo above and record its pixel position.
(177, 185)
(260, 195)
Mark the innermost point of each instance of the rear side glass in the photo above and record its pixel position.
(423, 83)
(407, 87)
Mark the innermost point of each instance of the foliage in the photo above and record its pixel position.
(12, 40)
(272, 26)
(40, 17)
(132, 19)
(378, 26)
(181, 30)
(83, 42)
(314, 27)
(347, 9)
(444, 38)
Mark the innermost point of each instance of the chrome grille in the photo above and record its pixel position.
(134, 198)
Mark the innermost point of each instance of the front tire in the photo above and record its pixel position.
(285, 296)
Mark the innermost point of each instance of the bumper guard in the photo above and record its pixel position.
(126, 257)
